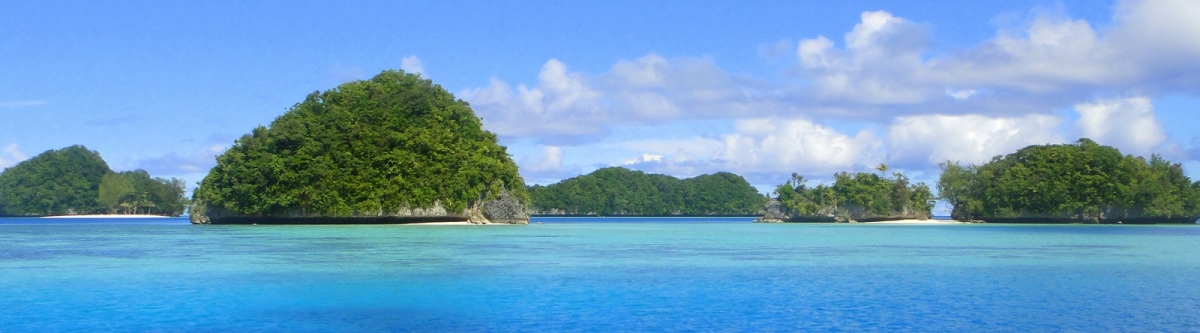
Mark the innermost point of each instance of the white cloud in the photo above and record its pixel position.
(959, 94)
(548, 168)
(20, 104)
(551, 161)
(929, 139)
(763, 145)
(646, 158)
(969, 105)
(648, 90)
(412, 64)
(13, 156)
(1128, 124)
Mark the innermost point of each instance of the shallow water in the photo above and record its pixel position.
(596, 274)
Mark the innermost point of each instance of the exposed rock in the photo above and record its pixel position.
(505, 210)
(772, 213)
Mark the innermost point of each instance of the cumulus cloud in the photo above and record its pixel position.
(763, 145)
(12, 156)
(880, 61)
(931, 105)
(929, 139)
(569, 106)
(878, 70)
(1128, 124)
(412, 64)
(548, 168)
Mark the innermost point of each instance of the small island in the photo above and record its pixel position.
(617, 191)
(1083, 182)
(75, 181)
(854, 197)
(393, 149)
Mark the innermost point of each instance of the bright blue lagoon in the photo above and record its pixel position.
(596, 274)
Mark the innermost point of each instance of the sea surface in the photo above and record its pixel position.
(596, 275)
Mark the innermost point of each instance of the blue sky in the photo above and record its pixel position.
(762, 89)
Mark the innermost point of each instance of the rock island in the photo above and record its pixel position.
(393, 149)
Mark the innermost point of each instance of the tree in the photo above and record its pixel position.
(114, 189)
(1083, 181)
(855, 196)
(620, 191)
(363, 148)
(56, 182)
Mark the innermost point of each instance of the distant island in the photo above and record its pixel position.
(853, 197)
(617, 191)
(1083, 182)
(393, 149)
(76, 181)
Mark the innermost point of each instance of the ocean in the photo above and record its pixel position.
(596, 275)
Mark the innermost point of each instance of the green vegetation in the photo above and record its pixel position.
(857, 196)
(75, 180)
(363, 148)
(620, 191)
(1083, 181)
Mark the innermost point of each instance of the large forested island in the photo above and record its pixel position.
(76, 181)
(1082, 182)
(617, 191)
(393, 149)
(853, 197)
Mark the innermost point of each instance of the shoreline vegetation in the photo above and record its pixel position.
(618, 191)
(857, 197)
(1082, 182)
(392, 149)
(75, 181)
(398, 149)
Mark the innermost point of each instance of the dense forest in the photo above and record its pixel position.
(620, 191)
(364, 148)
(75, 180)
(857, 196)
(1080, 182)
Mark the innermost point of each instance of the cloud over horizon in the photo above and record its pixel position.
(1001, 94)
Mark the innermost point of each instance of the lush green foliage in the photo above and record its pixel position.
(620, 191)
(69, 181)
(135, 192)
(371, 146)
(858, 196)
(1082, 181)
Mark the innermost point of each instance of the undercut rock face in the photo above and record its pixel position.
(392, 149)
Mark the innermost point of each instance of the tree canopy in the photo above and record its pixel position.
(364, 147)
(620, 191)
(857, 196)
(1083, 181)
(75, 180)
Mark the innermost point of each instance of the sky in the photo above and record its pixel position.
(758, 88)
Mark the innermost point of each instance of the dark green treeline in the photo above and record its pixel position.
(365, 147)
(1080, 182)
(620, 191)
(75, 180)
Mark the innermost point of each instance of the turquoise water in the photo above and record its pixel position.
(596, 274)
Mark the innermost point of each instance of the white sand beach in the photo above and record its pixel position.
(107, 216)
(914, 221)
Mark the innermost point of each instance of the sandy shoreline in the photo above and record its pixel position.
(107, 216)
(914, 221)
